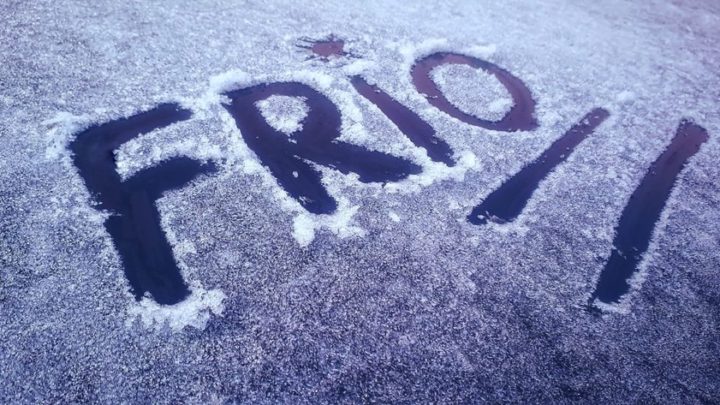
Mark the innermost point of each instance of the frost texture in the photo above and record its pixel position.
(284, 113)
(355, 307)
(473, 91)
(194, 311)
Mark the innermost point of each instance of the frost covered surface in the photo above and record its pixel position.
(396, 297)
(473, 91)
(283, 113)
(194, 311)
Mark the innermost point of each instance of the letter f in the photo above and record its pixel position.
(134, 222)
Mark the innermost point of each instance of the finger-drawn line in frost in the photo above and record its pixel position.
(147, 257)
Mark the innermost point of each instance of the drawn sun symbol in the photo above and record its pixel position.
(324, 49)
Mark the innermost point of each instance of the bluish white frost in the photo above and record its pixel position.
(465, 86)
(352, 130)
(194, 311)
(393, 216)
(340, 223)
(625, 96)
(412, 51)
(434, 172)
(59, 129)
(358, 67)
(302, 320)
(145, 151)
(304, 224)
(284, 113)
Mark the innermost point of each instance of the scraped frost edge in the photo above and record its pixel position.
(284, 113)
(194, 311)
(59, 130)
